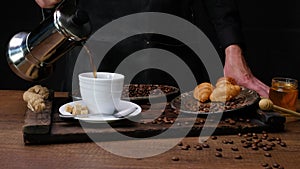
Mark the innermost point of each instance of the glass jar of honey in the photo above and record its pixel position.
(284, 92)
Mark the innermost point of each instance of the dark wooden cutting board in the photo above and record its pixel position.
(48, 128)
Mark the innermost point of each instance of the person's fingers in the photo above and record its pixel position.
(47, 3)
(263, 92)
(263, 89)
(258, 86)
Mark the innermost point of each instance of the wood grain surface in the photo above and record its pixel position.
(15, 154)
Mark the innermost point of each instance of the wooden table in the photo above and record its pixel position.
(14, 154)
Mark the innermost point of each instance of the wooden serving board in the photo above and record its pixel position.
(48, 128)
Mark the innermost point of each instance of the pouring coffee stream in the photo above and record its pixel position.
(91, 57)
(31, 55)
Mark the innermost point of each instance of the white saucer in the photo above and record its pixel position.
(99, 118)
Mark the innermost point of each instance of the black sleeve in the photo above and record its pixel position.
(226, 20)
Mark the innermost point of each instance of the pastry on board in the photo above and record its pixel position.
(225, 89)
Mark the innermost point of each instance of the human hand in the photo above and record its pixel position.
(47, 3)
(236, 67)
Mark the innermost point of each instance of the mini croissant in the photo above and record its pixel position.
(203, 91)
(225, 81)
(226, 89)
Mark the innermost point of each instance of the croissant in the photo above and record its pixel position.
(225, 81)
(226, 89)
(203, 91)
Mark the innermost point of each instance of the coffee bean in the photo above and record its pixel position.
(269, 147)
(275, 165)
(175, 158)
(280, 167)
(234, 148)
(282, 144)
(227, 120)
(205, 145)
(225, 141)
(230, 142)
(180, 144)
(232, 122)
(241, 119)
(248, 120)
(184, 147)
(245, 145)
(249, 143)
(265, 135)
(260, 145)
(254, 144)
(264, 164)
(170, 122)
(217, 154)
(265, 148)
(239, 134)
(214, 137)
(238, 157)
(268, 167)
(254, 148)
(267, 155)
(198, 147)
(272, 144)
(256, 141)
(249, 139)
(219, 149)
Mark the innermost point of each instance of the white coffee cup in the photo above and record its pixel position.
(102, 94)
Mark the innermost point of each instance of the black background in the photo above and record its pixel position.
(271, 29)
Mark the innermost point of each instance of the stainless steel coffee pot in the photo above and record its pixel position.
(31, 55)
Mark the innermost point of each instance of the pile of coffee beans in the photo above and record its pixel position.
(253, 141)
(163, 119)
(264, 142)
(144, 90)
(187, 103)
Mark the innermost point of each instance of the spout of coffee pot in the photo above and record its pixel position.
(31, 54)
